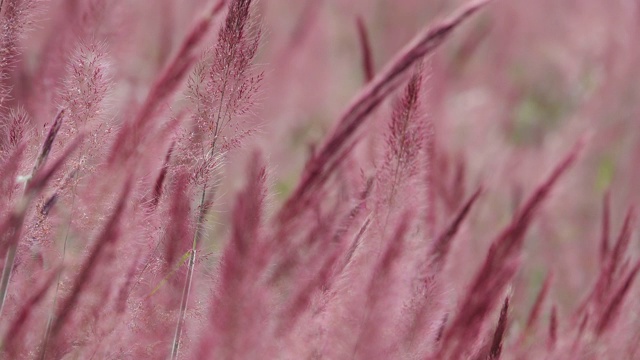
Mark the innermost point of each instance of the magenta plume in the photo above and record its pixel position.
(132, 133)
(343, 136)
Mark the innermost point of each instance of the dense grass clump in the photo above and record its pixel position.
(240, 180)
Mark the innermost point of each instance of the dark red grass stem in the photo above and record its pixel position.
(158, 185)
(365, 49)
(553, 329)
(612, 310)
(610, 270)
(622, 243)
(48, 142)
(442, 244)
(606, 219)
(498, 336)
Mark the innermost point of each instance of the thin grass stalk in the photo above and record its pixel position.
(47, 333)
(175, 347)
(192, 258)
(442, 244)
(237, 18)
(365, 49)
(498, 336)
(6, 274)
(40, 161)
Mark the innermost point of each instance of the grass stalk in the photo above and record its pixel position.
(13, 248)
(51, 317)
(175, 347)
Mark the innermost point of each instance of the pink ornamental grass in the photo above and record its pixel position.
(153, 203)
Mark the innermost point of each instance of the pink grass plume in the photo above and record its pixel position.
(133, 133)
(343, 136)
